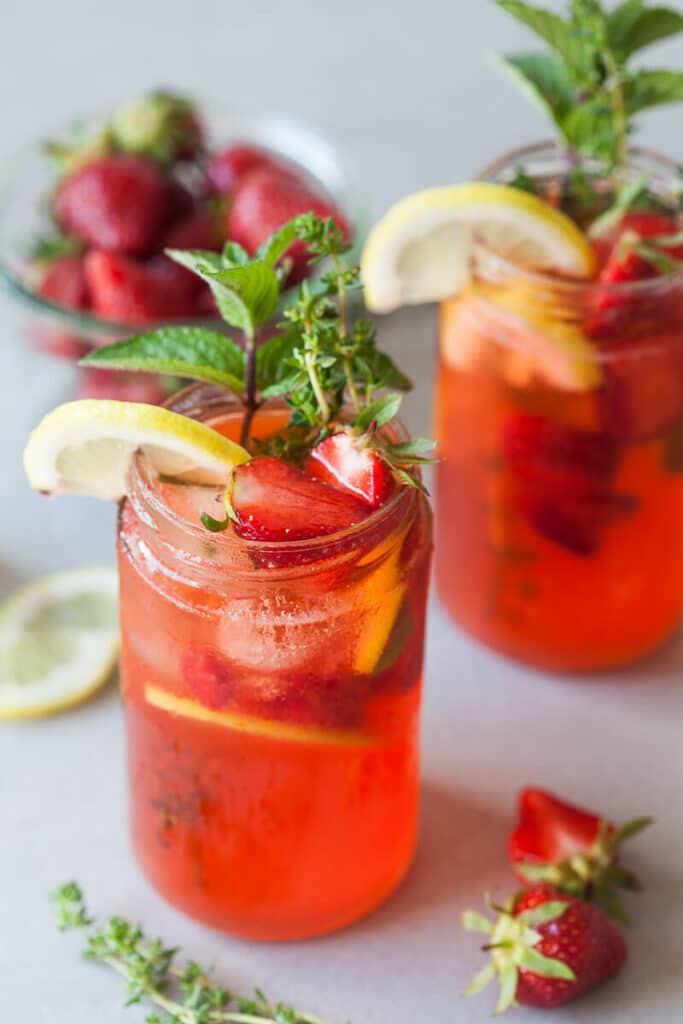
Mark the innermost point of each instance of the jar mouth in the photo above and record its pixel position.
(556, 160)
(146, 498)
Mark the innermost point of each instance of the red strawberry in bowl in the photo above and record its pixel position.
(275, 501)
(118, 203)
(64, 284)
(135, 293)
(122, 387)
(225, 168)
(349, 463)
(267, 198)
(572, 849)
(547, 949)
(564, 477)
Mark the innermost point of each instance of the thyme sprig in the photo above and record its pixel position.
(180, 993)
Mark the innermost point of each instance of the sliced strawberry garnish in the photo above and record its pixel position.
(573, 849)
(130, 292)
(225, 169)
(348, 463)
(117, 203)
(275, 501)
(267, 198)
(564, 477)
(615, 312)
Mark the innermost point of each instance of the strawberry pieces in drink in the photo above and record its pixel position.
(642, 392)
(547, 949)
(573, 849)
(226, 168)
(266, 199)
(117, 203)
(564, 477)
(348, 463)
(205, 673)
(132, 293)
(275, 501)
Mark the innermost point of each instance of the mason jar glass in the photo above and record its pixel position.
(560, 426)
(272, 696)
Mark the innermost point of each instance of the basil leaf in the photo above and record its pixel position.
(192, 352)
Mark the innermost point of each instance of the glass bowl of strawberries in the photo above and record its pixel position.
(85, 221)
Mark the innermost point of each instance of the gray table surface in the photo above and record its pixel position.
(406, 90)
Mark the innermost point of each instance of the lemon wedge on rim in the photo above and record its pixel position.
(420, 251)
(86, 447)
(59, 640)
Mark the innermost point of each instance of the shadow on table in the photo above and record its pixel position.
(457, 860)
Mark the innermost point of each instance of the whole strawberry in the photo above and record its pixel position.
(571, 849)
(546, 948)
(162, 126)
(117, 203)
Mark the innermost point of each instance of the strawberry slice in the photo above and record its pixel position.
(275, 501)
(347, 463)
(564, 476)
(267, 198)
(573, 849)
(206, 675)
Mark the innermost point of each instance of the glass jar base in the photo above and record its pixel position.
(269, 926)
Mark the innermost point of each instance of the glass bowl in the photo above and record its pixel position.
(27, 180)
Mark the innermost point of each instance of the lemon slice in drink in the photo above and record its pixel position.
(421, 249)
(86, 447)
(58, 641)
(285, 731)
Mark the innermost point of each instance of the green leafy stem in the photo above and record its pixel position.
(181, 994)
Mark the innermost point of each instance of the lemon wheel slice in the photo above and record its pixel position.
(86, 447)
(421, 249)
(58, 641)
(234, 720)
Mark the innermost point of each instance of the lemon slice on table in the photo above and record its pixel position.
(59, 641)
(86, 447)
(254, 726)
(420, 251)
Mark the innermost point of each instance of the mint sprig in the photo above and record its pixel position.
(324, 363)
(586, 84)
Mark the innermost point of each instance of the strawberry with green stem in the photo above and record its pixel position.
(547, 949)
(574, 850)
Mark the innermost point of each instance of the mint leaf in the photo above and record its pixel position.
(544, 78)
(549, 26)
(417, 451)
(191, 352)
(380, 411)
(233, 255)
(272, 359)
(647, 89)
(246, 294)
(632, 28)
(383, 371)
(277, 245)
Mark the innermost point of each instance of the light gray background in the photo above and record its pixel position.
(406, 90)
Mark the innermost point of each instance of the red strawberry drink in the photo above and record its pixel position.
(271, 679)
(560, 423)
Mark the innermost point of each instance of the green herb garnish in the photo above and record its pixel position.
(587, 83)
(180, 994)
(322, 362)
